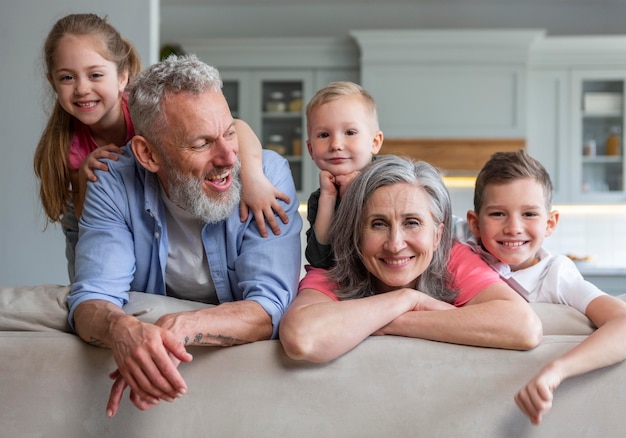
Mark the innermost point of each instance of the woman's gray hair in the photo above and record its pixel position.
(345, 234)
(175, 74)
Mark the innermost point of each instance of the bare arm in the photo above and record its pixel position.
(318, 329)
(141, 351)
(496, 317)
(234, 323)
(78, 192)
(605, 346)
(147, 355)
(331, 187)
(258, 193)
(325, 207)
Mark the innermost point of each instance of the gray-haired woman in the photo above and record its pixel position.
(397, 273)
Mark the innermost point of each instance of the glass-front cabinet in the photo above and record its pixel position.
(597, 136)
(272, 103)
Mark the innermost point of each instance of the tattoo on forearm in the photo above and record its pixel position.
(213, 339)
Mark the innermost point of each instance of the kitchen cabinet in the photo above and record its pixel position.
(447, 83)
(597, 126)
(271, 101)
(576, 89)
(267, 83)
(610, 280)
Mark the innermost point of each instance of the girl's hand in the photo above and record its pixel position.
(93, 162)
(262, 198)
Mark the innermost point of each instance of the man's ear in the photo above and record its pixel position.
(145, 153)
(472, 223)
(553, 219)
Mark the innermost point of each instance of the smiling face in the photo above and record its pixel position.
(343, 135)
(399, 235)
(200, 170)
(87, 85)
(513, 221)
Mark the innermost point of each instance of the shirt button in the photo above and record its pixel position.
(156, 235)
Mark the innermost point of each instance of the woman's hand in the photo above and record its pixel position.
(418, 301)
(422, 301)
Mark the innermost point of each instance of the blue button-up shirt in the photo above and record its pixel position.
(123, 242)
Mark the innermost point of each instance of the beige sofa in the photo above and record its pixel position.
(55, 385)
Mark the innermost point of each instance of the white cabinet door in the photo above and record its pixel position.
(449, 101)
(596, 143)
(272, 102)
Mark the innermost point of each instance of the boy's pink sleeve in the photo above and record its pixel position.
(317, 278)
(470, 273)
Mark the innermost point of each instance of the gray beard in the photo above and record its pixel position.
(186, 191)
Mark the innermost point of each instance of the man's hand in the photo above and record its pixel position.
(117, 391)
(147, 357)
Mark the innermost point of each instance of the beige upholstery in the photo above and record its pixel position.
(55, 385)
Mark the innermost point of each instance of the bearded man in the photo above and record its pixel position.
(164, 220)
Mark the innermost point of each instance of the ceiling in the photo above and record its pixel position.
(597, 3)
(286, 2)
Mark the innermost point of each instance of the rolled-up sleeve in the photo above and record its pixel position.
(261, 269)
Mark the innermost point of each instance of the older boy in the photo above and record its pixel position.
(511, 218)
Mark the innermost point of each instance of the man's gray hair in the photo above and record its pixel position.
(175, 74)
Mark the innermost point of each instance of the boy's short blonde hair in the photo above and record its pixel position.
(504, 167)
(336, 90)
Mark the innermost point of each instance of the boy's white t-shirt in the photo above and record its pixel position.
(553, 279)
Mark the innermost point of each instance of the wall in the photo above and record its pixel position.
(28, 254)
(597, 232)
(599, 235)
(180, 20)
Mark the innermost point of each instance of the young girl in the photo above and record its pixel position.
(89, 64)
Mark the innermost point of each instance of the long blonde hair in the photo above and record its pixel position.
(51, 162)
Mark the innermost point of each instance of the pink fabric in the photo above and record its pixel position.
(82, 142)
(317, 279)
(470, 275)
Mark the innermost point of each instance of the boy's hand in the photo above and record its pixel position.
(343, 181)
(535, 399)
(262, 198)
(92, 161)
(327, 184)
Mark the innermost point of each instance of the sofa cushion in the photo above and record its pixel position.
(43, 308)
(55, 385)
